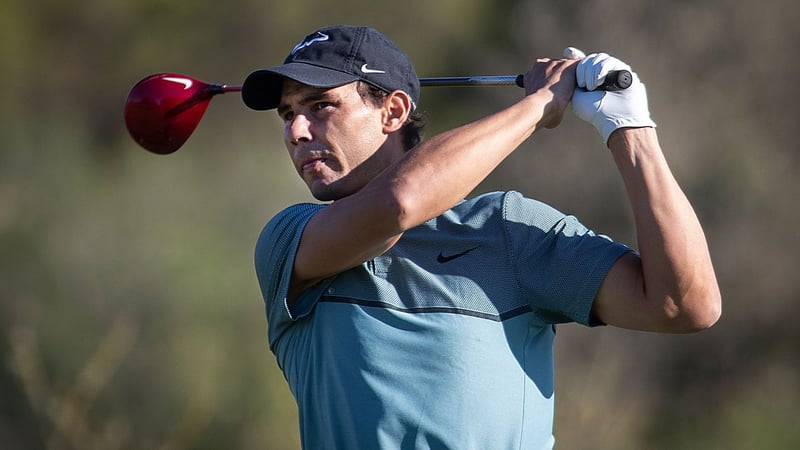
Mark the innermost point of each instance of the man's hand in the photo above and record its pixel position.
(607, 111)
(554, 78)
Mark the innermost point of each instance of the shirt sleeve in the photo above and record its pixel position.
(274, 259)
(560, 263)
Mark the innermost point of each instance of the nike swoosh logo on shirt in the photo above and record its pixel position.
(444, 259)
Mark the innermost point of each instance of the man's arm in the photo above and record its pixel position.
(671, 287)
(428, 179)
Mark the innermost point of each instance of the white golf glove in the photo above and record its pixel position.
(607, 110)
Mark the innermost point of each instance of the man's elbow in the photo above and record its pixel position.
(700, 312)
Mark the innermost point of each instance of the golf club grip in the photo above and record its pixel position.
(616, 80)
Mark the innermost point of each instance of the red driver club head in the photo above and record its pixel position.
(163, 110)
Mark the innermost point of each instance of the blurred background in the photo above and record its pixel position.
(130, 315)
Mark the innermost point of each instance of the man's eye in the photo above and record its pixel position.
(322, 105)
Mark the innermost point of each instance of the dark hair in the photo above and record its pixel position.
(412, 129)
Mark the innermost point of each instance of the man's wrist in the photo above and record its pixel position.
(631, 137)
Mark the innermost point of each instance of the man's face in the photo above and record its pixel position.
(334, 138)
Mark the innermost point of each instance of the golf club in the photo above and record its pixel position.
(163, 110)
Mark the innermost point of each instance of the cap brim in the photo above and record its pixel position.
(262, 88)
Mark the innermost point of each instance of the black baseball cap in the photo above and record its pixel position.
(334, 56)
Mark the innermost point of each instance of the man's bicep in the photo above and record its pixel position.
(621, 300)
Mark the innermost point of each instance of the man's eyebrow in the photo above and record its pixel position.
(311, 97)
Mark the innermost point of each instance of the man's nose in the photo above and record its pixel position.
(298, 129)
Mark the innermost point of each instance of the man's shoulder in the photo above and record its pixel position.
(299, 209)
(487, 201)
(286, 224)
(297, 212)
(507, 203)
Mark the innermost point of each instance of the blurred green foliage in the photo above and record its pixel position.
(130, 316)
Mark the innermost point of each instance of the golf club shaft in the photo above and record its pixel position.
(202, 96)
(222, 88)
(494, 80)
(615, 80)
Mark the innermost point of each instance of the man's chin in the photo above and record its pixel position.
(326, 197)
(325, 193)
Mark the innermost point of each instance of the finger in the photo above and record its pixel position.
(580, 72)
(592, 70)
(573, 53)
(599, 71)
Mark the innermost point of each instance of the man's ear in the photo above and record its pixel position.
(396, 109)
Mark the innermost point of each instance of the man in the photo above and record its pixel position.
(404, 316)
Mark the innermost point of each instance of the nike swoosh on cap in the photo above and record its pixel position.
(365, 69)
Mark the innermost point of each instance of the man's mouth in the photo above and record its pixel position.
(312, 164)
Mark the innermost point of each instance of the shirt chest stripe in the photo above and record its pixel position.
(428, 309)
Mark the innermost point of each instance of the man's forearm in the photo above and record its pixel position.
(676, 263)
(446, 167)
